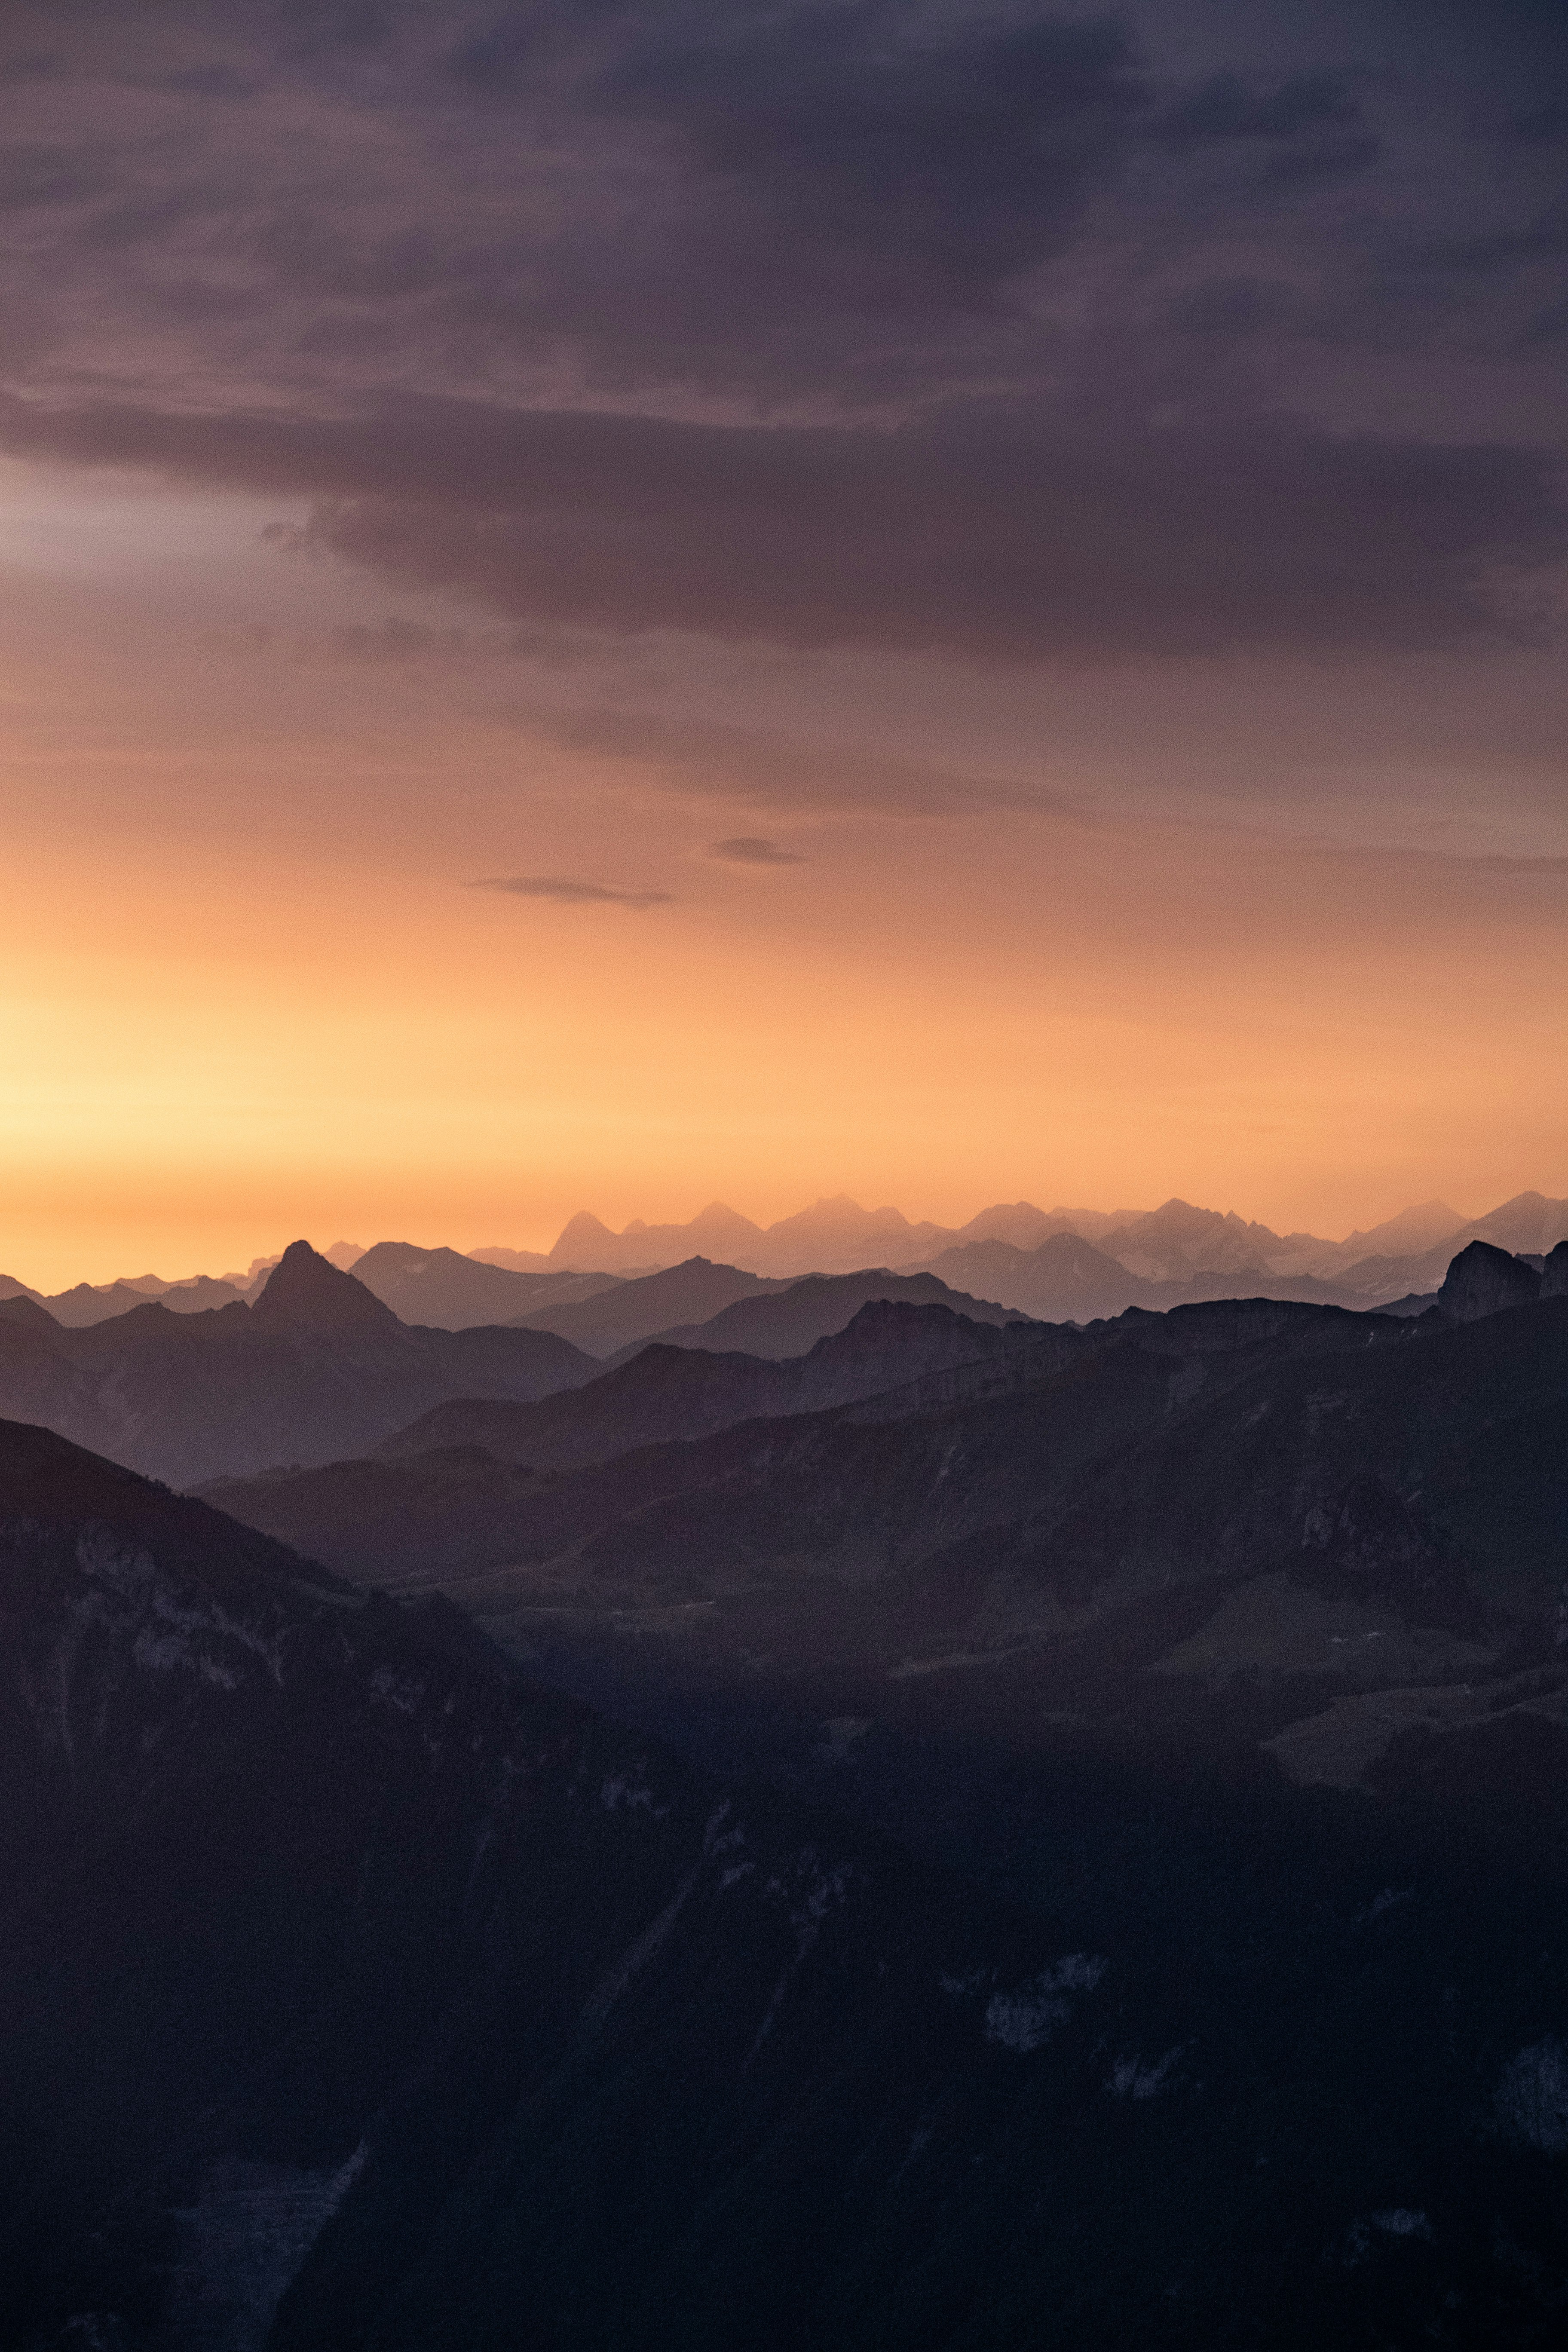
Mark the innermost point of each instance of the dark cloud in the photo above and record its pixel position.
(853, 200)
(751, 849)
(979, 535)
(963, 146)
(567, 893)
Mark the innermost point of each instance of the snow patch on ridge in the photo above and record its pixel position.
(1024, 2019)
(1531, 2098)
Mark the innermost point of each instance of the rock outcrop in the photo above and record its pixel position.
(1483, 1280)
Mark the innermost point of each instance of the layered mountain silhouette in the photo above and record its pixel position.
(1186, 1250)
(791, 1318)
(443, 1290)
(1060, 1265)
(318, 1366)
(1064, 1279)
(439, 1492)
(639, 1309)
(834, 1235)
(88, 1302)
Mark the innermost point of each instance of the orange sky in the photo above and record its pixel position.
(247, 994)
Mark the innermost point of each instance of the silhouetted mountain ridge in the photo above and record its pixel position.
(648, 1305)
(317, 1367)
(789, 1319)
(665, 1392)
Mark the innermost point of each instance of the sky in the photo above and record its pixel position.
(603, 605)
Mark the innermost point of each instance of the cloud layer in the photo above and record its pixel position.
(1027, 336)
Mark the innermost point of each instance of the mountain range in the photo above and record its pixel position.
(438, 1495)
(812, 1848)
(922, 1494)
(1064, 1265)
(1169, 1243)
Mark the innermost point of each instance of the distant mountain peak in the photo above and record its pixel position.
(581, 1234)
(304, 1290)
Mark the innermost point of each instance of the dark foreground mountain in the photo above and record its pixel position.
(354, 1990)
(316, 1368)
(357, 1993)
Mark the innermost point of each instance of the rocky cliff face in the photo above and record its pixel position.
(1484, 1281)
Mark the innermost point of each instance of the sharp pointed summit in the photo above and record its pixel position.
(306, 1292)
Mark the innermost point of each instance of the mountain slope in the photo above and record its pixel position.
(873, 1485)
(329, 1952)
(442, 1289)
(358, 1995)
(638, 1309)
(797, 1315)
(662, 1393)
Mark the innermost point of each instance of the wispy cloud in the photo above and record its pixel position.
(568, 893)
(750, 849)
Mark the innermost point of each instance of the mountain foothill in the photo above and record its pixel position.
(733, 1805)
